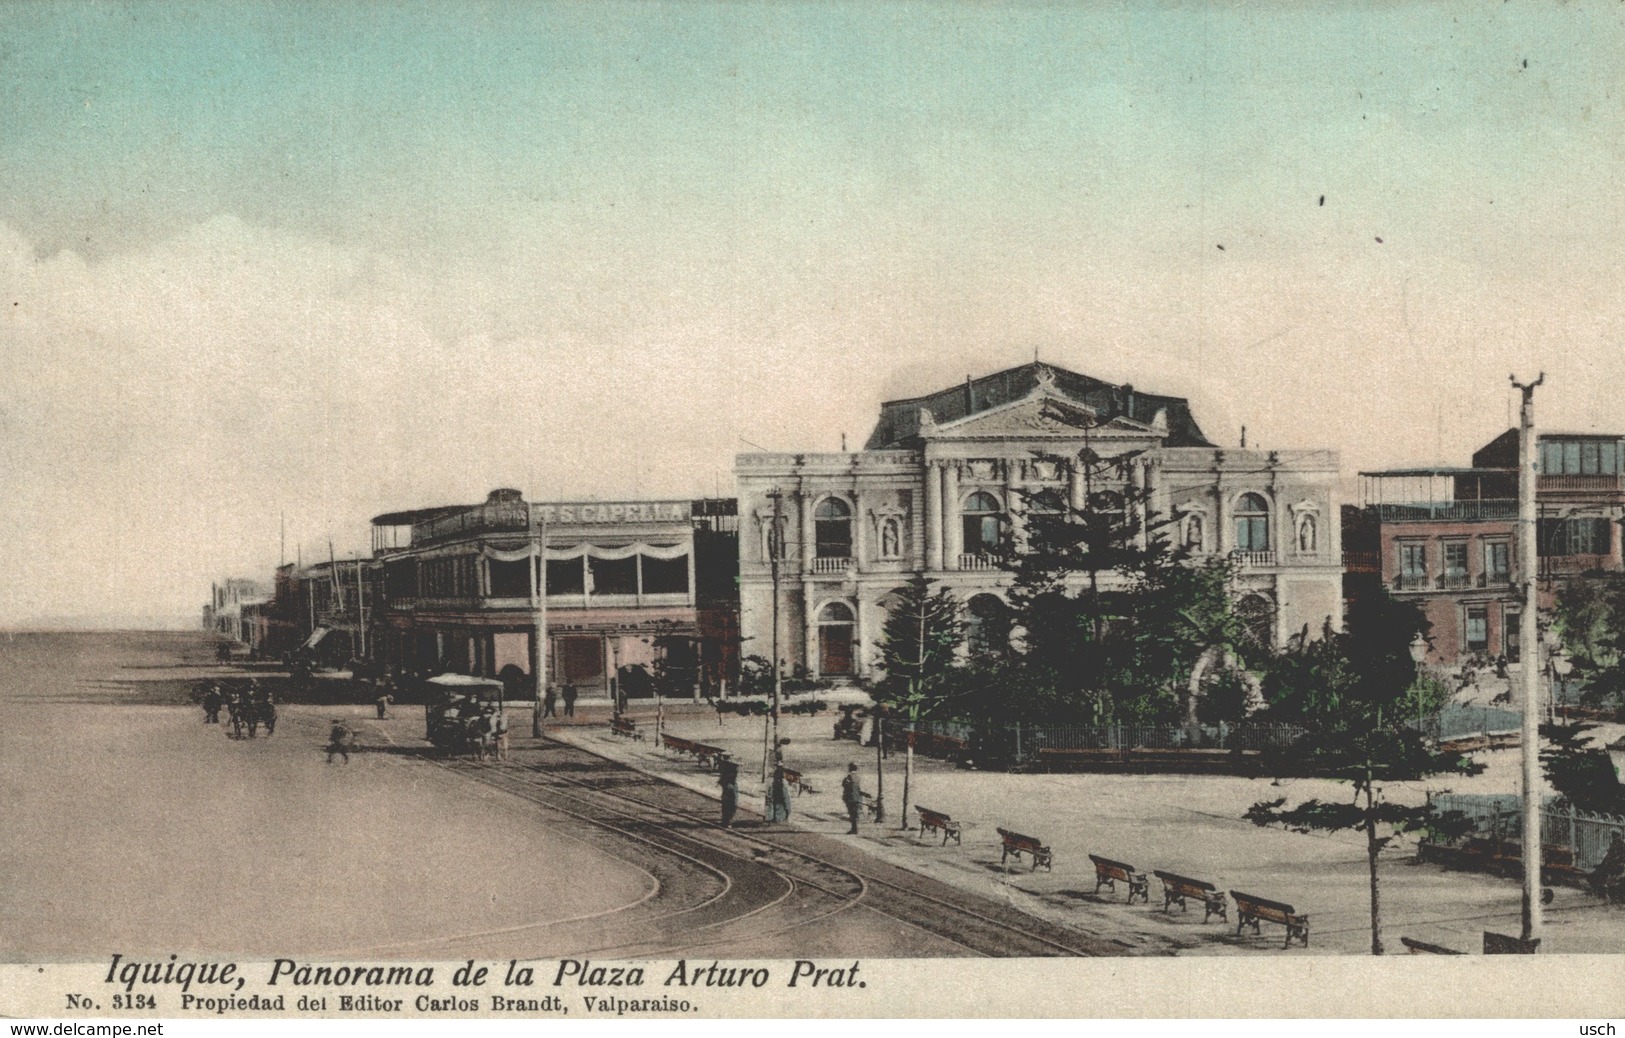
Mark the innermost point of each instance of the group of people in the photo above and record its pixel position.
(550, 699)
(778, 793)
(480, 727)
(241, 703)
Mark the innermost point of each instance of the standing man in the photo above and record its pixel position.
(499, 731)
(549, 702)
(383, 705)
(569, 700)
(852, 796)
(728, 776)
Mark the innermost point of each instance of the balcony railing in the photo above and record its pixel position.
(1411, 582)
(1455, 581)
(1564, 565)
(1500, 578)
(1611, 483)
(493, 515)
(1253, 559)
(976, 560)
(1448, 511)
(1362, 562)
(832, 564)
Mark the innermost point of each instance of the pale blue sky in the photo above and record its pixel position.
(342, 258)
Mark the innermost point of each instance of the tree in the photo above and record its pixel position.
(1581, 773)
(1355, 687)
(922, 637)
(1124, 647)
(1590, 619)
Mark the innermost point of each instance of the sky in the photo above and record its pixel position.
(302, 264)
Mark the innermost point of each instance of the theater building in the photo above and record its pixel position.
(628, 584)
(943, 476)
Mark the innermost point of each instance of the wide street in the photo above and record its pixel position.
(135, 828)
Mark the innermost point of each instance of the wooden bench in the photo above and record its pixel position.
(1108, 872)
(1015, 844)
(1177, 888)
(626, 728)
(1251, 910)
(1424, 948)
(676, 744)
(708, 756)
(937, 821)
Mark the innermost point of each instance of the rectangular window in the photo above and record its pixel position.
(1478, 629)
(1571, 458)
(664, 576)
(1551, 459)
(1587, 536)
(1455, 559)
(1497, 569)
(1589, 458)
(509, 579)
(566, 577)
(1609, 462)
(1413, 561)
(1512, 633)
(613, 576)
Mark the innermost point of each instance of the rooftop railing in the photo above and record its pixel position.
(1448, 511)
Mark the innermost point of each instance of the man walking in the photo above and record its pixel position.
(338, 741)
(728, 777)
(852, 796)
(569, 700)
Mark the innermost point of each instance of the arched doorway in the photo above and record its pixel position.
(835, 636)
(987, 625)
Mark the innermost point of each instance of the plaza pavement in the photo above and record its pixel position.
(1187, 824)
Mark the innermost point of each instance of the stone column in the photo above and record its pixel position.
(860, 637)
(809, 617)
(860, 531)
(1074, 486)
(1142, 501)
(808, 547)
(950, 516)
(933, 516)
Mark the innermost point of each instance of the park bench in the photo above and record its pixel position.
(1424, 948)
(626, 728)
(1177, 888)
(1015, 844)
(1108, 872)
(1251, 910)
(937, 821)
(676, 744)
(707, 755)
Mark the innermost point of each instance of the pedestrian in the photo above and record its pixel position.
(778, 798)
(550, 702)
(569, 700)
(728, 778)
(338, 741)
(499, 731)
(852, 796)
(383, 705)
(211, 704)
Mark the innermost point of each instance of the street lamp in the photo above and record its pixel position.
(1559, 666)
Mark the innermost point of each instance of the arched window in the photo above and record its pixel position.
(982, 519)
(832, 529)
(835, 636)
(1252, 523)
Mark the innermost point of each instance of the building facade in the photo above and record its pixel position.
(1446, 538)
(827, 539)
(629, 586)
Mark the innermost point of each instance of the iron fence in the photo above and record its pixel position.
(1457, 721)
(1499, 816)
(1021, 742)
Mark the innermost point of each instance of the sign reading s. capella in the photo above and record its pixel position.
(617, 512)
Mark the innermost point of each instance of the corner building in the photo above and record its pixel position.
(943, 475)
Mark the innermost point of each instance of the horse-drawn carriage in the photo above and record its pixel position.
(249, 712)
(456, 709)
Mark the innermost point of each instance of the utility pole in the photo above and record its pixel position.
(775, 549)
(538, 614)
(1528, 638)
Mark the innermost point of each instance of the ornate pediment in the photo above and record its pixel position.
(1041, 414)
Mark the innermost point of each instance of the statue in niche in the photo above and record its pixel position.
(1306, 534)
(890, 540)
(1193, 532)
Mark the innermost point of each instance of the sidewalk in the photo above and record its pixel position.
(1187, 824)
